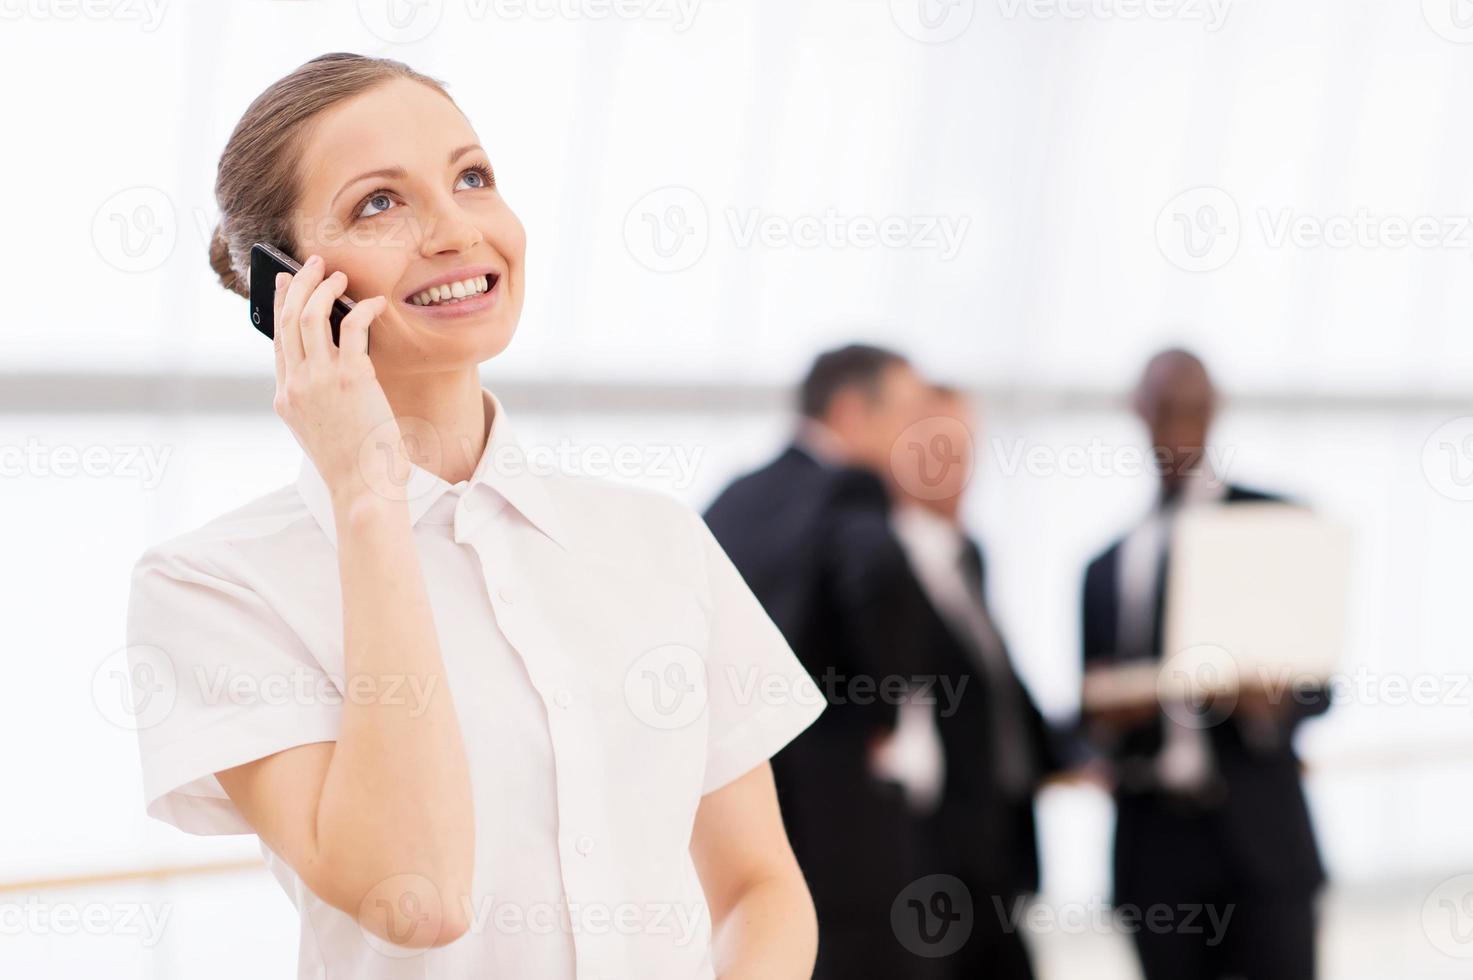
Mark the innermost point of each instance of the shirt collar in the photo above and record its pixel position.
(1200, 485)
(503, 466)
(927, 530)
(820, 442)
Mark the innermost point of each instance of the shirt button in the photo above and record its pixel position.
(585, 845)
(563, 698)
(507, 596)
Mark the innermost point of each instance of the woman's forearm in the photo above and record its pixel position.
(769, 933)
(397, 796)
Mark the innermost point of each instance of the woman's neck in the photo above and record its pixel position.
(443, 419)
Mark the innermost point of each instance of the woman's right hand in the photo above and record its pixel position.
(382, 816)
(329, 396)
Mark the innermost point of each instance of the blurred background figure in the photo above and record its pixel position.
(992, 745)
(1211, 818)
(810, 533)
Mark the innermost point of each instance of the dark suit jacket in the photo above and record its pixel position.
(985, 837)
(815, 546)
(1260, 827)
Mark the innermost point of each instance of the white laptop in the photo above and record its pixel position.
(1256, 593)
(1260, 590)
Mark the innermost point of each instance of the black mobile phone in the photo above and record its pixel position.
(266, 262)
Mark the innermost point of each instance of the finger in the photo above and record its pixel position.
(303, 283)
(287, 340)
(280, 361)
(353, 334)
(276, 332)
(316, 330)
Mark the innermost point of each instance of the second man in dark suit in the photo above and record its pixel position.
(994, 745)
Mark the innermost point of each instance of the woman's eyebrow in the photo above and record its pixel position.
(397, 173)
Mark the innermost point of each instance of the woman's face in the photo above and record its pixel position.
(437, 218)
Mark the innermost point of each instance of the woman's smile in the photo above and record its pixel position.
(459, 293)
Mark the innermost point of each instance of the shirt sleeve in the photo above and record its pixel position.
(758, 693)
(217, 679)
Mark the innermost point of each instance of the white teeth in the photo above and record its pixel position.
(450, 292)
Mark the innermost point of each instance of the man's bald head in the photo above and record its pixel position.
(1176, 400)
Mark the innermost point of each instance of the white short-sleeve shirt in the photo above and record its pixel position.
(608, 665)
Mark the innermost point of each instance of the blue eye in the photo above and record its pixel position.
(375, 196)
(481, 175)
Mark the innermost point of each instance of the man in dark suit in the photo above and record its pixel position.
(1211, 821)
(810, 534)
(994, 745)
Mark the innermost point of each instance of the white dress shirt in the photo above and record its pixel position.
(609, 667)
(913, 756)
(1185, 763)
(936, 550)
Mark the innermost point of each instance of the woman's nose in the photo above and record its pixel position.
(449, 230)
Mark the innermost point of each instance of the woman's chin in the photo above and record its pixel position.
(417, 348)
(493, 343)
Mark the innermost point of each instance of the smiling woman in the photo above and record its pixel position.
(483, 720)
(377, 227)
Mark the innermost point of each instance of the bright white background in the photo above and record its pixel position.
(1114, 180)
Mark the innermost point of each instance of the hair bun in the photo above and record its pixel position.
(221, 262)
